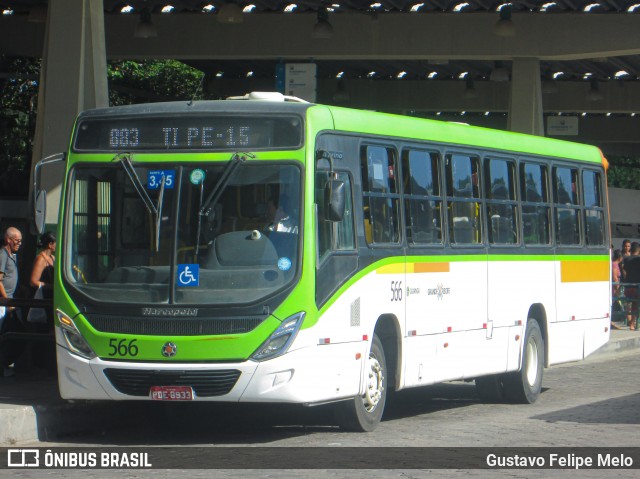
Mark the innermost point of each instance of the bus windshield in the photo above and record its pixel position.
(197, 233)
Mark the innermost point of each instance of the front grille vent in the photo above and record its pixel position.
(205, 383)
(172, 326)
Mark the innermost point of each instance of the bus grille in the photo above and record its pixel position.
(172, 326)
(205, 383)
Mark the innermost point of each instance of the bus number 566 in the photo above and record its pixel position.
(396, 290)
(122, 347)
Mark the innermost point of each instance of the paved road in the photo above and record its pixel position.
(594, 403)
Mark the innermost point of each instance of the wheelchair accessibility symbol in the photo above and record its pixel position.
(188, 275)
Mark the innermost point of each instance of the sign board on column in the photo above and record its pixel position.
(562, 125)
(299, 80)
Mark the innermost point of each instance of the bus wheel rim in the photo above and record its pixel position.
(375, 386)
(532, 363)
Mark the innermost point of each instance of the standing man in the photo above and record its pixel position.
(632, 276)
(8, 284)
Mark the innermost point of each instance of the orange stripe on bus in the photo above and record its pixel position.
(414, 268)
(431, 267)
(583, 271)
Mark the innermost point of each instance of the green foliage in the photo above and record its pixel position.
(152, 81)
(624, 172)
(129, 82)
(18, 104)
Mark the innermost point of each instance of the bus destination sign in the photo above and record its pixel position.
(187, 133)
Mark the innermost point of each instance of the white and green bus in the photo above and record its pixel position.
(266, 250)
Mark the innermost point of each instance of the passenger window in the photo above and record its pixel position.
(501, 201)
(567, 218)
(536, 208)
(334, 236)
(381, 201)
(593, 210)
(422, 200)
(463, 193)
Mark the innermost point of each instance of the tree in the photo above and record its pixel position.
(152, 81)
(624, 172)
(18, 105)
(129, 82)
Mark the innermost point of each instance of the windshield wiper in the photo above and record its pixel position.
(125, 161)
(205, 209)
(159, 212)
(154, 210)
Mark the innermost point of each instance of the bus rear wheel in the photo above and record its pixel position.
(524, 386)
(363, 413)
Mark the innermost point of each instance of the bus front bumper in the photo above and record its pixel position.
(306, 375)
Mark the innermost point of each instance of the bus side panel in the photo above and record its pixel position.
(596, 334)
(419, 355)
(565, 341)
(486, 352)
(582, 300)
(515, 287)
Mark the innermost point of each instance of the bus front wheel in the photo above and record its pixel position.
(363, 413)
(524, 386)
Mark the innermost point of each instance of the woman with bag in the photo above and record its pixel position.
(42, 279)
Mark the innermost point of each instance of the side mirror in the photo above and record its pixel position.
(334, 200)
(40, 210)
(39, 198)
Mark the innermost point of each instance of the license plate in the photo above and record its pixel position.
(172, 393)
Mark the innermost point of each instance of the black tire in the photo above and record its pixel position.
(524, 386)
(363, 413)
(489, 388)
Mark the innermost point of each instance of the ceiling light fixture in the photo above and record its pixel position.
(145, 27)
(322, 29)
(505, 27)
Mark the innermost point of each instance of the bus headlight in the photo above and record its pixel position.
(281, 339)
(77, 344)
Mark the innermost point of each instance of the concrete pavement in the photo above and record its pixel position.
(32, 410)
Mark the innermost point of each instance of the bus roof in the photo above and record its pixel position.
(374, 123)
(346, 119)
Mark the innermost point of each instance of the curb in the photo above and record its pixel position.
(618, 346)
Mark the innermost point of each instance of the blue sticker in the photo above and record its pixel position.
(154, 179)
(188, 275)
(284, 264)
